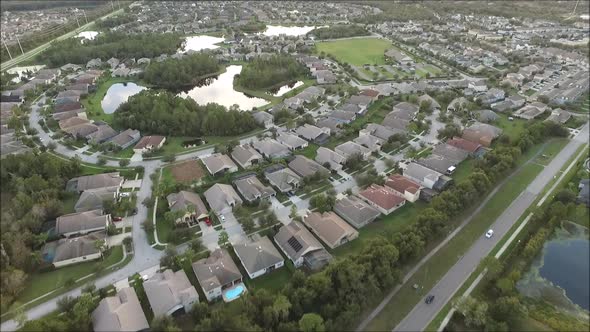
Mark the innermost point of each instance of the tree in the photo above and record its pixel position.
(509, 309)
(100, 245)
(223, 239)
(148, 226)
(322, 203)
(124, 162)
(493, 265)
(248, 225)
(102, 161)
(474, 311)
(311, 322)
(169, 257)
(165, 324)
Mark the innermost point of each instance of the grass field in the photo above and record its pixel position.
(511, 128)
(41, 283)
(310, 151)
(357, 51)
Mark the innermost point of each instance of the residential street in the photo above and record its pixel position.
(423, 313)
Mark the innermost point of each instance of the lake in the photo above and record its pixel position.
(560, 273)
(197, 43)
(20, 71)
(275, 30)
(117, 94)
(220, 90)
(285, 88)
(566, 266)
(87, 35)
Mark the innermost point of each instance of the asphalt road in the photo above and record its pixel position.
(29, 54)
(422, 314)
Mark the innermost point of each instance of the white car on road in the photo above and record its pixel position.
(489, 233)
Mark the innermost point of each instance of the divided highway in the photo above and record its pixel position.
(422, 314)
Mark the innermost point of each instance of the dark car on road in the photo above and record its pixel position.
(429, 299)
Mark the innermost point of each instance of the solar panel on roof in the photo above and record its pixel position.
(294, 244)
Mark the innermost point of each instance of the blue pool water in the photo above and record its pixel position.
(234, 293)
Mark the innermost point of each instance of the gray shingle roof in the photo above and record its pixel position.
(216, 270)
(355, 211)
(258, 255)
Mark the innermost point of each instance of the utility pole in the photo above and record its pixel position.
(112, 6)
(77, 21)
(21, 48)
(85, 18)
(7, 50)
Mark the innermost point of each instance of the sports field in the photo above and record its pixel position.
(357, 52)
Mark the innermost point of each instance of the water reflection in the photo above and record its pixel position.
(285, 88)
(117, 94)
(21, 71)
(197, 43)
(89, 35)
(275, 30)
(220, 90)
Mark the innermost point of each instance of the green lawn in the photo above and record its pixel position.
(464, 170)
(551, 150)
(439, 264)
(273, 281)
(511, 128)
(310, 151)
(383, 226)
(41, 283)
(357, 51)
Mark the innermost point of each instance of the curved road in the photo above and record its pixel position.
(422, 314)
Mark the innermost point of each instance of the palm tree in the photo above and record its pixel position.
(100, 245)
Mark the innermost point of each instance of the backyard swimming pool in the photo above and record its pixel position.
(234, 293)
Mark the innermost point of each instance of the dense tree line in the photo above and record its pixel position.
(108, 45)
(252, 26)
(266, 73)
(32, 193)
(183, 72)
(339, 31)
(114, 21)
(163, 113)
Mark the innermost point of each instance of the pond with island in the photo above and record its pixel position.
(560, 273)
(220, 89)
(117, 94)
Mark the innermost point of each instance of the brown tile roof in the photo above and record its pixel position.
(401, 184)
(382, 196)
(464, 144)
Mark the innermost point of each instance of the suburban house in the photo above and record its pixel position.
(245, 155)
(584, 193)
(191, 204)
(149, 143)
(313, 133)
(284, 179)
(404, 187)
(422, 175)
(259, 256)
(270, 148)
(81, 223)
(486, 116)
(395, 55)
(327, 157)
(438, 163)
(252, 189)
(341, 116)
(102, 134)
(450, 152)
(369, 141)
(263, 118)
(119, 313)
(431, 102)
(361, 101)
(219, 164)
(93, 199)
(380, 131)
(531, 111)
(348, 149)
(126, 138)
(222, 198)
(405, 111)
(291, 141)
(559, 116)
(355, 211)
(216, 273)
(492, 96)
(169, 292)
(458, 104)
(73, 250)
(330, 228)
(301, 247)
(384, 199)
(474, 149)
(482, 133)
(306, 167)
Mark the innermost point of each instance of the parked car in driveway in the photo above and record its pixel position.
(207, 221)
(124, 194)
(115, 219)
(222, 217)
